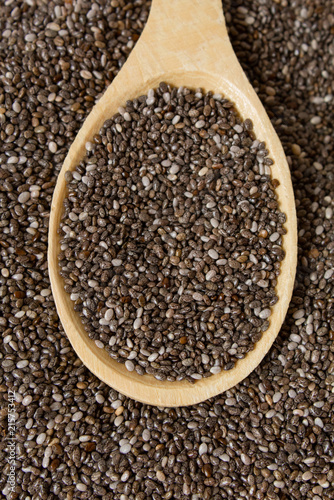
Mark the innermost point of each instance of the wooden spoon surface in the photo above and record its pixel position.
(184, 43)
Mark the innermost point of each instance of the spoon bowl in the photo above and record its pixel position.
(185, 43)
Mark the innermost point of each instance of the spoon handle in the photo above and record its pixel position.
(185, 24)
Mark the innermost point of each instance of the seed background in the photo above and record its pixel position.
(271, 436)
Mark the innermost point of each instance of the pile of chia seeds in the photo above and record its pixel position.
(270, 437)
(171, 236)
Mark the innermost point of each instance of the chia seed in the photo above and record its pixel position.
(286, 49)
(163, 236)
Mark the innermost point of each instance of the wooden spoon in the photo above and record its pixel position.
(184, 43)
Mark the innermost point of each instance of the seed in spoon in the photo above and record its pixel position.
(181, 240)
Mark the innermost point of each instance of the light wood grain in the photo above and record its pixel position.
(184, 43)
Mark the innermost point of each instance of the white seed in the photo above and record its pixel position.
(210, 274)
(146, 435)
(116, 404)
(203, 171)
(73, 216)
(309, 329)
(125, 476)
(309, 460)
(274, 237)
(298, 314)
(53, 147)
(27, 400)
(245, 459)
(200, 124)
(318, 422)
(137, 323)
(265, 313)
(77, 416)
(160, 475)
(270, 413)
(22, 364)
(276, 397)
(23, 197)
(99, 398)
(117, 262)
(118, 420)
(41, 438)
(328, 274)
(86, 74)
(146, 181)
(125, 449)
(81, 487)
(315, 120)
(174, 169)
(140, 311)
(108, 315)
(129, 366)
(30, 37)
(153, 357)
(238, 129)
(93, 283)
(202, 449)
(307, 476)
(205, 359)
(329, 213)
(295, 338)
(197, 296)
(213, 254)
(16, 107)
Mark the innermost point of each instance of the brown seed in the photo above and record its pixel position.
(90, 447)
(54, 464)
(207, 469)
